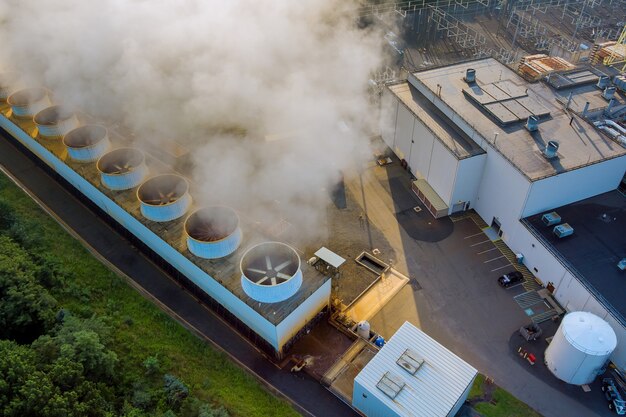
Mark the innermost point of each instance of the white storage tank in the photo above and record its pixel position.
(122, 169)
(213, 232)
(580, 348)
(270, 272)
(164, 198)
(87, 143)
(55, 121)
(27, 102)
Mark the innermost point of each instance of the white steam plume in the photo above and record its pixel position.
(193, 70)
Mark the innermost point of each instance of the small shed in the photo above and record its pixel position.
(412, 375)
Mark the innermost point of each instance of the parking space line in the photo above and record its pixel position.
(504, 266)
(485, 251)
(480, 243)
(475, 234)
(493, 259)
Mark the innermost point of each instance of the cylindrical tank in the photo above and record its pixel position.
(164, 198)
(603, 81)
(470, 75)
(551, 149)
(532, 124)
(28, 102)
(580, 348)
(270, 272)
(213, 232)
(87, 143)
(122, 169)
(55, 121)
(363, 329)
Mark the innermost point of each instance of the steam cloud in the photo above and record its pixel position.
(217, 76)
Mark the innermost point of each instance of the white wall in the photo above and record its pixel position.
(388, 114)
(575, 185)
(443, 171)
(502, 193)
(370, 406)
(404, 132)
(468, 177)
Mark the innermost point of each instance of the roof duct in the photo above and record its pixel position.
(27, 102)
(164, 197)
(470, 75)
(122, 169)
(551, 149)
(87, 143)
(270, 272)
(532, 124)
(55, 121)
(213, 232)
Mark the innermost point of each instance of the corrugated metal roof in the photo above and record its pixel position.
(436, 386)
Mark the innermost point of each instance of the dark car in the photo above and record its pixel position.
(510, 279)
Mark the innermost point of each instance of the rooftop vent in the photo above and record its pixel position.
(28, 102)
(532, 124)
(410, 361)
(603, 81)
(390, 384)
(122, 169)
(551, 149)
(563, 230)
(7, 82)
(608, 93)
(164, 197)
(213, 232)
(270, 272)
(55, 121)
(470, 75)
(550, 219)
(87, 143)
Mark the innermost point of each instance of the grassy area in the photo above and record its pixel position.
(492, 401)
(139, 328)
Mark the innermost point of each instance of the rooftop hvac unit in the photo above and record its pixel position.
(603, 81)
(563, 230)
(532, 124)
(550, 219)
(122, 169)
(28, 102)
(55, 121)
(551, 149)
(270, 272)
(213, 232)
(87, 143)
(164, 198)
(470, 75)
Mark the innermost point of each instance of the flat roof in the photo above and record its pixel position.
(456, 141)
(224, 270)
(432, 390)
(596, 246)
(580, 143)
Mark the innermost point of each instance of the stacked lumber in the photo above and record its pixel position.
(534, 67)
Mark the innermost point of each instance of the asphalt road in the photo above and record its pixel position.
(307, 395)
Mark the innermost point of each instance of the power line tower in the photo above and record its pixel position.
(618, 52)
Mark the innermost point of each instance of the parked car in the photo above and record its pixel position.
(510, 279)
(613, 396)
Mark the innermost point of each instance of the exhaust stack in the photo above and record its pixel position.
(213, 232)
(27, 102)
(55, 121)
(87, 143)
(122, 169)
(164, 197)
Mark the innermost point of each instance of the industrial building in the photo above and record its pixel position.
(477, 135)
(228, 260)
(412, 375)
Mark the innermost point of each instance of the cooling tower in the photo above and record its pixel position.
(7, 83)
(164, 197)
(55, 121)
(87, 143)
(28, 102)
(580, 348)
(213, 232)
(122, 169)
(270, 272)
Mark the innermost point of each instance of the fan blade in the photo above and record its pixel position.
(268, 262)
(258, 271)
(281, 266)
(284, 276)
(274, 281)
(116, 166)
(161, 195)
(170, 194)
(153, 201)
(265, 278)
